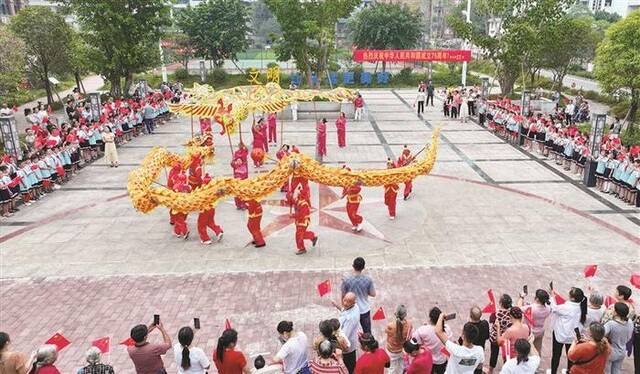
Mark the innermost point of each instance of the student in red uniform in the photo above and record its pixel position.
(253, 222)
(373, 359)
(341, 129)
(405, 159)
(180, 219)
(302, 218)
(391, 194)
(421, 359)
(352, 193)
(271, 120)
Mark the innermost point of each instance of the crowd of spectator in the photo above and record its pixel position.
(55, 149)
(596, 332)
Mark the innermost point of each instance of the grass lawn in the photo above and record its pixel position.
(254, 54)
(20, 96)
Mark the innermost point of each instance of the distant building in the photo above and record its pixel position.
(9, 8)
(620, 7)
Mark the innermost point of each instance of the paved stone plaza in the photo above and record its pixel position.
(85, 263)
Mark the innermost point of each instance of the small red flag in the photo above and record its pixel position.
(15, 109)
(103, 344)
(609, 300)
(379, 314)
(59, 341)
(590, 271)
(49, 109)
(491, 307)
(528, 314)
(324, 287)
(445, 352)
(635, 280)
(227, 324)
(559, 299)
(128, 342)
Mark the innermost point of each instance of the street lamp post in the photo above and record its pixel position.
(466, 45)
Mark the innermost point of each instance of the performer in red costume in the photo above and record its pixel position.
(195, 171)
(282, 153)
(271, 120)
(302, 219)
(240, 171)
(180, 219)
(297, 181)
(391, 194)
(207, 220)
(253, 222)
(176, 169)
(259, 136)
(321, 138)
(242, 152)
(353, 203)
(405, 159)
(341, 128)
(205, 125)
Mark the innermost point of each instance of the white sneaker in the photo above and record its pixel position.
(354, 228)
(392, 217)
(220, 236)
(359, 228)
(56, 186)
(205, 242)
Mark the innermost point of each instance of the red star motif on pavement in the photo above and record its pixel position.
(326, 203)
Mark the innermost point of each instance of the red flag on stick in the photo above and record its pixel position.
(590, 271)
(609, 300)
(128, 342)
(324, 287)
(227, 324)
(559, 299)
(379, 314)
(445, 352)
(528, 314)
(491, 307)
(59, 341)
(103, 344)
(635, 280)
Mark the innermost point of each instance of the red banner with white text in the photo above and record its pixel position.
(405, 55)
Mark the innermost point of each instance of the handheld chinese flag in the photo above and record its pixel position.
(15, 109)
(528, 314)
(324, 287)
(590, 271)
(609, 300)
(59, 341)
(103, 344)
(491, 307)
(379, 314)
(128, 342)
(559, 299)
(445, 352)
(635, 280)
(227, 324)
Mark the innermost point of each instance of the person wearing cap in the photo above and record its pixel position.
(321, 138)
(302, 219)
(391, 194)
(404, 160)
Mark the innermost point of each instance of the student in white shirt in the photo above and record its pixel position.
(294, 353)
(527, 360)
(189, 360)
(465, 358)
(568, 316)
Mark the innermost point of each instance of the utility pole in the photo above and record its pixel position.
(467, 45)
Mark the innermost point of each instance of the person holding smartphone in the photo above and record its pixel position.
(147, 357)
(465, 358)
(589, 356)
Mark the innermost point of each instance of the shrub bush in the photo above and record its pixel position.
(181, 74)
(217, 76)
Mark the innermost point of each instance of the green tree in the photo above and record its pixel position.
(12, 60)
(603, 15)
(617, 64)
(124, 36)
(217, 29)
(517, 48)
(308, 31)
(568, 41)
(386, 26)
(48, 39)
(80, 58)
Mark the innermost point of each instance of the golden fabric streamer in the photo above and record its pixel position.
(146, 197)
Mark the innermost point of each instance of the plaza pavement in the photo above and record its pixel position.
(85, 263)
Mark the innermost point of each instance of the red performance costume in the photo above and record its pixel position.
(195, 171)
(353, 203)
(176, 169)
(259, 143)
(391, 194)
(302, 217)
(341, 128)
(180, 219)
(206, 220)
(282, 153)
(405, 159)
(321, 138)
(253, 222)
(240, 171)
(271, 120)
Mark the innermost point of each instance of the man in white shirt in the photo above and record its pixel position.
(293, 355)
(349, 325)
(463, 358)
